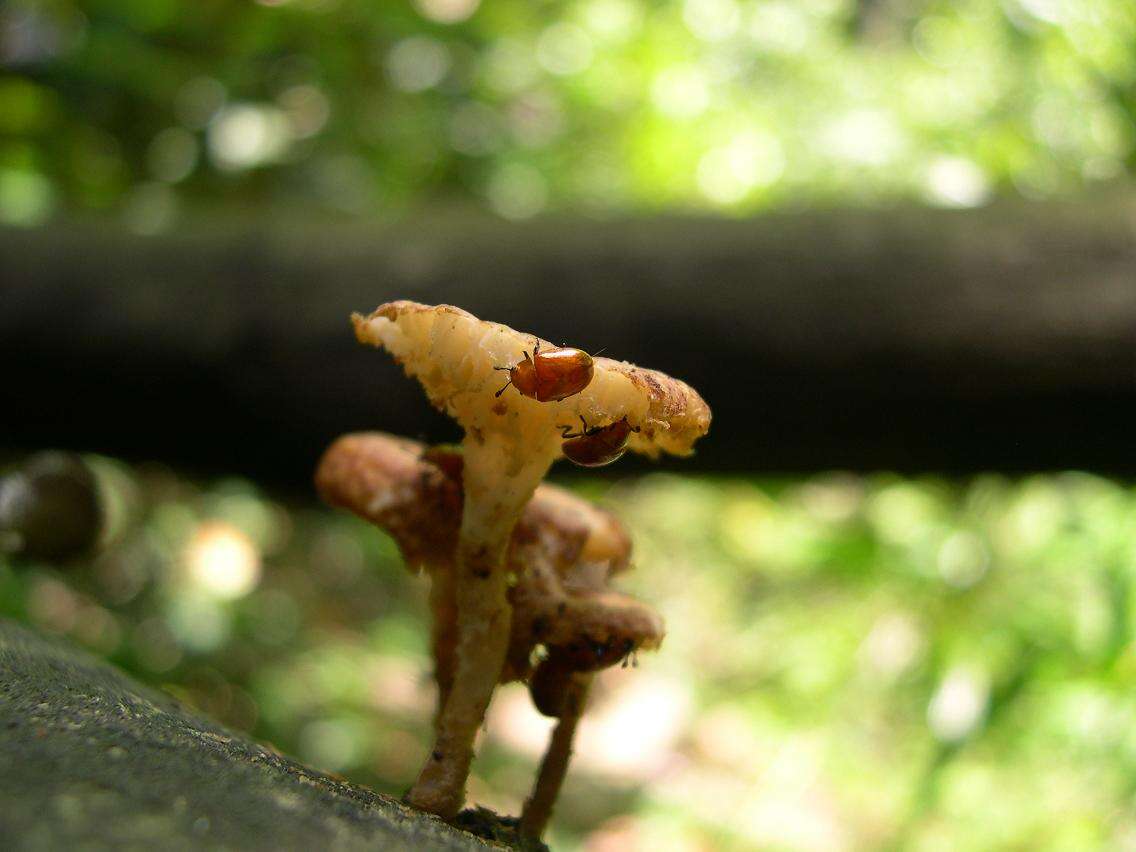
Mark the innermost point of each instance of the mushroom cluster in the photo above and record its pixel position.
(516, 566)
(566, 624)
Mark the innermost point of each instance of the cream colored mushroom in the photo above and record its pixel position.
(509, 444)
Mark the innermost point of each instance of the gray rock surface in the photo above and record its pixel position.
(91, 760)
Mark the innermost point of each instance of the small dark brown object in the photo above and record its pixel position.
(551, 375)
(598, 445)
(50, 508)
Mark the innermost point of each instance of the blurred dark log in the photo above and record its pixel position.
(92, 760)
(911, 339)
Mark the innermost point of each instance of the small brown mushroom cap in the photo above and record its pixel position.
(563, 550)
(383, 479)
(414, 493)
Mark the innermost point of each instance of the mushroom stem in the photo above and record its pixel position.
(498, 480)
(444, 637)
(554, 766)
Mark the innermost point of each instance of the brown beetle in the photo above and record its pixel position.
(597, 445)
(551, 375)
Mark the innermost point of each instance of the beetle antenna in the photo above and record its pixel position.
(597, 353)
(503, 389)
(510, 369)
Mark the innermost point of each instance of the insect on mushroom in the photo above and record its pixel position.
(551, 375)
(597, 445)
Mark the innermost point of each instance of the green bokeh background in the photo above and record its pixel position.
(152, 109)
(851, 661)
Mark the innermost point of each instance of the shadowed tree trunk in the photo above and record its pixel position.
(913, 339)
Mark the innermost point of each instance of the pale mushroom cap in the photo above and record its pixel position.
(453, 354)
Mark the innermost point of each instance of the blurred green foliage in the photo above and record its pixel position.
(146, 108)
(851, 662)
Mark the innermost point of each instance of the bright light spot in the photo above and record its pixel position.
(199, 101)
(418, 63)
(172, 154)
(869, 137)
(959, 704)
(963, 560)
(712, 20)
(957, 182)
(517, 191)
(728, 174)
(632, 736)
(564, 49)
(26, 197)
(515, 722)
(243, 136)
(726, 737)
(1044, 10)
(893, 644)
(307, 109)
(681, 91)
(901, 513)
(614, 20)
(395, 685)
(744, 524)
(447, 11)
(150, 208)
(223, 561)
(779, 27)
